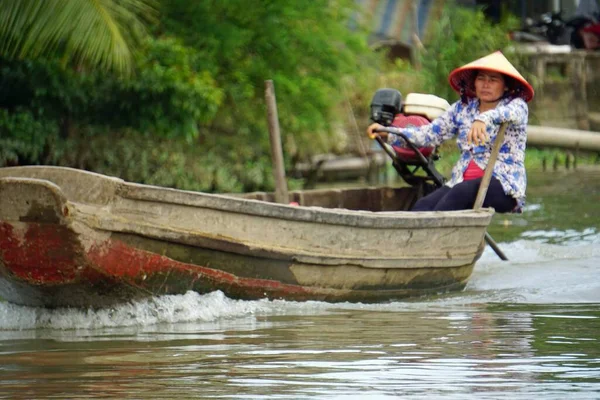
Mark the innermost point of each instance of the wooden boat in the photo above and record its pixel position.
(74, 238)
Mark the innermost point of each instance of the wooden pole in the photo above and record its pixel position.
(487, 175)
(416, 41)
(281, 191)
(485, 184)
(563, 138)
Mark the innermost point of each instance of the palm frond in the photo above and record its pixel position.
(94, 32)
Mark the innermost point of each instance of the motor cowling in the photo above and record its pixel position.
(405, 121)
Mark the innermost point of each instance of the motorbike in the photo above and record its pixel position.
(552, 28)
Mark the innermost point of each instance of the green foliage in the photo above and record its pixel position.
(166, 162)
(461, 35)
(23, 138)
(43, 88)
(168, 97)
(97, 33)
(305, 47)
(547, 157)
(199, 83)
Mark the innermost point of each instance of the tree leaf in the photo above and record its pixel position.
(98, 33)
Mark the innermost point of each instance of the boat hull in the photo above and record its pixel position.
(115, 242)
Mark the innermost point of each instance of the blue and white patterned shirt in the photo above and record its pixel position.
(457, 121)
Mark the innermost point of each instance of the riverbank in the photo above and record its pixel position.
(536, 158)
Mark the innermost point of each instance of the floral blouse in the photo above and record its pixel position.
(457, 121)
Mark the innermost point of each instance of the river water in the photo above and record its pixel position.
(523, 329)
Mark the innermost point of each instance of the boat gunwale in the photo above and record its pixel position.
(238, 205)
(332, 216)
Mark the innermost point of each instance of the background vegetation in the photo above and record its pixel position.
(171, 92)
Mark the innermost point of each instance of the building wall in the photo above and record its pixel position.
(567, 89)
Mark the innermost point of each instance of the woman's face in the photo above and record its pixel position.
(489, 86)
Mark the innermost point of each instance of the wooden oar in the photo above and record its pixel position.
(485, 184)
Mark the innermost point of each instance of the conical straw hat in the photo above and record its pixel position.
(463, 77)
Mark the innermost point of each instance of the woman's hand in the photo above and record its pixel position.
(372, 134)
(477, 135)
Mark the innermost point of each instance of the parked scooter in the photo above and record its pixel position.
(584, 26)
(552, 28)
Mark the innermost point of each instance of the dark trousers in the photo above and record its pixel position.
(462, 197)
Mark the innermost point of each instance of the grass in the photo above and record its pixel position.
(534, 158)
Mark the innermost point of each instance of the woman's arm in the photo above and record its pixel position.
(433, 134)
(515, 112)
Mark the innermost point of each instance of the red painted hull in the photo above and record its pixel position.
(47, 266)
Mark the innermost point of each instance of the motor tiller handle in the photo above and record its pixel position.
(410, 144)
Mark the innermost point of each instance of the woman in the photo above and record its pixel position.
(492, 91)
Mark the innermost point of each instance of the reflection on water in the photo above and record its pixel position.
(452, 347)
(522, 329)
(558, 203)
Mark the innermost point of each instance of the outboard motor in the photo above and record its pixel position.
(386, 110)
(385, 105)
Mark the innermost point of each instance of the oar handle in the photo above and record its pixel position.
(487, 175)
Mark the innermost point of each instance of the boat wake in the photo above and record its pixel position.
(546, 267)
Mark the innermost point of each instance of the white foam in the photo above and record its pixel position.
(169, 309)
(541, 246)
(538, 272)
(541, 270)
(161, 309)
